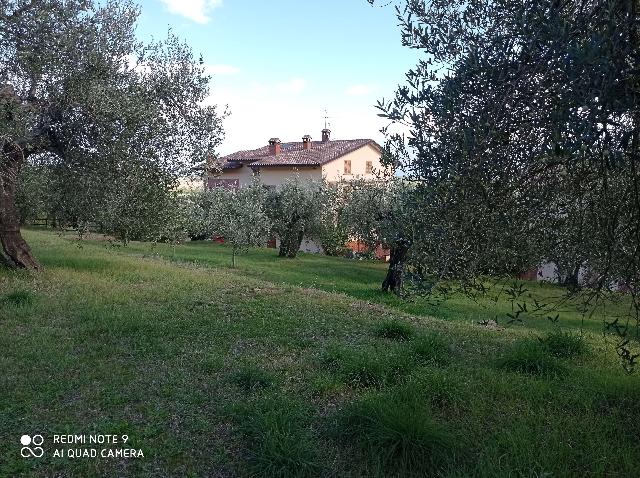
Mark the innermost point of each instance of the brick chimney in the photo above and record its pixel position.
(326, 134)
(306, 142)
(274, 146)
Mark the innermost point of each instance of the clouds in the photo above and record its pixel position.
(289, 109)
(196, 10)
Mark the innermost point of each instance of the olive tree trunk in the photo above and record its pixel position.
(393, 280)
(15, 251)
(290, 244)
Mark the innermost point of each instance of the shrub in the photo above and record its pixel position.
(19, 298)
(397, 431)
(432, 348)
(280, 442)
(251, 378)
(564, 344)
(395, 330)
(530, 357)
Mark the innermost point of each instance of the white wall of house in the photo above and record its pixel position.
(308, 245)
(274, 176)
(548, 272)
(243, 174)
(334, 170)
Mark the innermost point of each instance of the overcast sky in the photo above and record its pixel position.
(279, 64)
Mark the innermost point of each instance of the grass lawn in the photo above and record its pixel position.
(294, 368)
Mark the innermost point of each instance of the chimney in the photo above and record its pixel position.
(306, 142)
(274, 146)
(326, 133)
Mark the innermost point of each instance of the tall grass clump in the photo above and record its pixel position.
(529, 357)
(19, 298)
(395, 330)
(564, 344)
(278, 438)
(432, 349)
(251, 378)
(368, 366)
(397, 433)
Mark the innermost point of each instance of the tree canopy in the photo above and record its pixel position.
(524, 138)
(107, 113)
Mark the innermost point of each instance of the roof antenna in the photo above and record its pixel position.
(327, 125)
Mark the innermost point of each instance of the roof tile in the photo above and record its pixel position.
(294, 154)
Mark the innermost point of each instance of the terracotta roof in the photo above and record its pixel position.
(294, 154)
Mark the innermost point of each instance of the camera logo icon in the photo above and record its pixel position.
(31, 446)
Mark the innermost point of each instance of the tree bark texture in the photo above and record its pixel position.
(290, 245)
(15, 251)
(393, 280)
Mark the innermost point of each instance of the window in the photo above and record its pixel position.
(369, 168)
(347, 166)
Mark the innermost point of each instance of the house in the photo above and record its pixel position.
(274, 163)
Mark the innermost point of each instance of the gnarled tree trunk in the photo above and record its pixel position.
(15, 251)
(290, 241)
(393, 281)
(290, 244)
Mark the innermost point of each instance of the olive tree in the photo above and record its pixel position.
(511, 105)
(295, 209)
(108, 111)
(238, 216)
(333, 230)
(382, 213)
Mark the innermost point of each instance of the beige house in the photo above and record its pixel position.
(333, 160)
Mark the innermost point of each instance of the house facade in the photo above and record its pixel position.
(277, 162)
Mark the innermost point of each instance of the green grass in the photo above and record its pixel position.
(250, 378)
(432, 348)
(18, 298)
(531, 357)
(395, 330)
(339, 275)
(277, 369)
(564, 344)
(369, 366)
(280, 441)
(397, 434)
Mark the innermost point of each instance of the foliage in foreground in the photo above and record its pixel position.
(524, 143)
(280, 442)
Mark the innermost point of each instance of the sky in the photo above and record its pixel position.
(279, 64)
